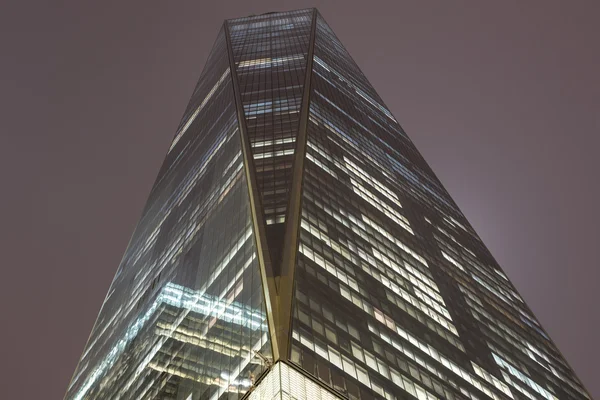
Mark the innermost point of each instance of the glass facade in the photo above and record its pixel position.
(296, 245)
(184, 317)
(270, 54)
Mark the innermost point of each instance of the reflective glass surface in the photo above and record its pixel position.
(283, 382)
(396, 295)
(184, 317)
(270, 53)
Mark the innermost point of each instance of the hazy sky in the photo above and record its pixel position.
(501, 97)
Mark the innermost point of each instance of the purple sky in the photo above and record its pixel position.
(502, 98)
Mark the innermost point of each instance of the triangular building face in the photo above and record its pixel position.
(270, 55)
(184, 317)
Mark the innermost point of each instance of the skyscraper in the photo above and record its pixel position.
(295, 244)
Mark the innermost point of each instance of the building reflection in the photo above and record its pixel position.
(188, 342)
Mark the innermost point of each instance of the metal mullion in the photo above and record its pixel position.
(264, 258)
(285, 282)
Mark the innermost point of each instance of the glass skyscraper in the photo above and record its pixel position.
(296, 245)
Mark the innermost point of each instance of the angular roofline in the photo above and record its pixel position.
(270, 13)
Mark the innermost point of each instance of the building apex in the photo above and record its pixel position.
(269, 13)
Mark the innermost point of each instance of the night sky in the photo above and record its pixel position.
(501, 97)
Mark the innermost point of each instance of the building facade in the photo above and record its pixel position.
(296, 245)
